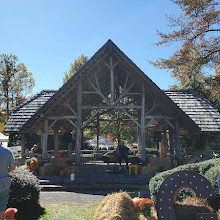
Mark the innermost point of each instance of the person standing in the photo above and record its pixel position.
(122, 151)
(7, 164)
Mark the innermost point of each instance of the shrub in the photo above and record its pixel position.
(205, 168)
(212, 175)
(25, 191)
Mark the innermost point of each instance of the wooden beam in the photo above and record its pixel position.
(152, 108)
(98, 133)
(130, 116)
(56, 141)
(149, 123)
(72, 123)
(23, 145)
(111, 107)
(99, 92)
(90, 118)
(169, 123)
(67, 104)
(45, 140)
(124, 93)
(177, 140)
(52, 124)
(62, 117)
(79, 122)
(103, 128)
(171, 140)
(112, 82)
(143, 150)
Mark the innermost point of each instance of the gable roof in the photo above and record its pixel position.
(32, 111)
(26, 111)
(198, 109)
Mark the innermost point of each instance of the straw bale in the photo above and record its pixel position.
(148, 171)
(188, 209)
(59, 162)
(72, 169)
(46, 171)
(117, 206)
(161, 164)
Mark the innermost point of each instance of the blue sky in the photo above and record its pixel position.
(47, 35)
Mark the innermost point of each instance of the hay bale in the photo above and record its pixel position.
(188, 209)
(117, 206)
(148, 171)
(58, 162)
(161, 164)
(73, 169)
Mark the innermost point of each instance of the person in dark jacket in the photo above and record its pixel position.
(122, 151)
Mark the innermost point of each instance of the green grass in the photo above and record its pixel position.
(67, 212)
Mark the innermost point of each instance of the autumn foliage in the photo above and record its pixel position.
(196, 34)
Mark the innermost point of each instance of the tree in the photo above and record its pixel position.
(78, 63)
(196, 31)
(15, 83)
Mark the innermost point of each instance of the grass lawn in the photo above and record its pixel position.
(66, 211)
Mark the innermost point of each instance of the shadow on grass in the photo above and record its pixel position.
(30, 214)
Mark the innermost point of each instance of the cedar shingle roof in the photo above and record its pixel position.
(25, 111)
(198, 109)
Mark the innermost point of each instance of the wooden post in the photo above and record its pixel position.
(143, 150)
(22, 145)
(171, 141)
(56, 141)
(45, 139)
(79, 122)
(164, 144)
(98, 133)
(112, 82)
(139, 139)
(41, 138)
(177, 139)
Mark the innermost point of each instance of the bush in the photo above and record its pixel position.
(205, 168)
(212, 175)
(25, 191)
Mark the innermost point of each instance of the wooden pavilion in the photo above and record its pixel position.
(110, 81)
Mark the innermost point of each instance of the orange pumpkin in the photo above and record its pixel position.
(136, 202)
(33, 163)
(140, 201)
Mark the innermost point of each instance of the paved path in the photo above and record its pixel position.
(69, 197)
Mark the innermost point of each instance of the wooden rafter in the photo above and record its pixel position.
(99, 92)
(89, 119)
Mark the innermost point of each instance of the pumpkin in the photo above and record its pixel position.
(136, 202)
(58, 155)
(33, 163)
(149, 164)
(141, 201)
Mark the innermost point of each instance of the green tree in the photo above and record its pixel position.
(196, 32)
(75, 66)
(15, 83)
